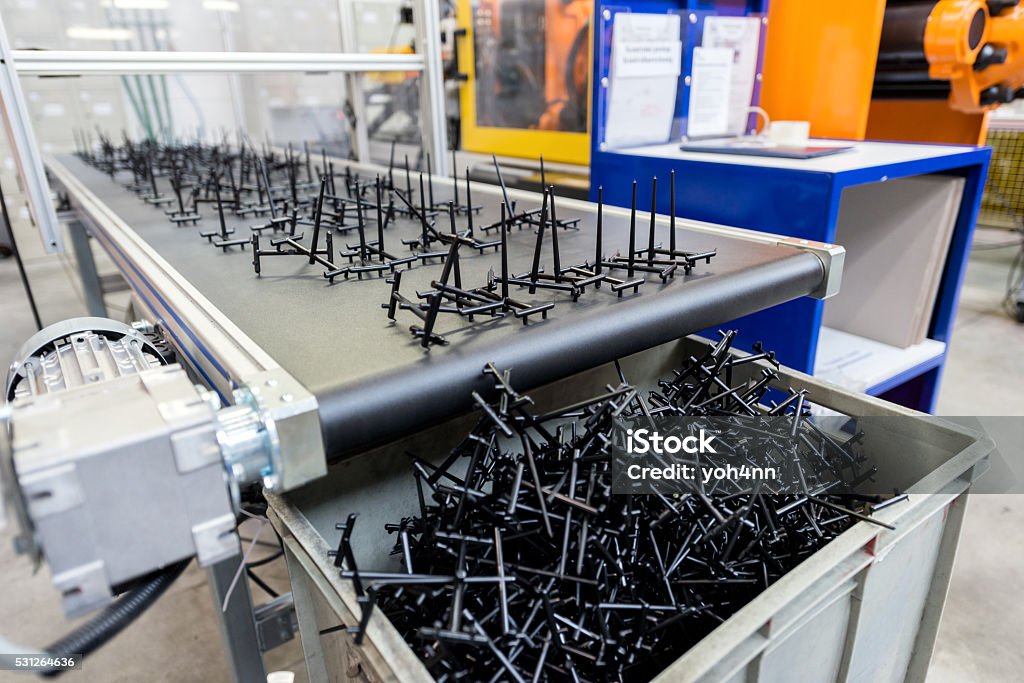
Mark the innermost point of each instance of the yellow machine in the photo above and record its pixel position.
(913, 70)
(526, 95)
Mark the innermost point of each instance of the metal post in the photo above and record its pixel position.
(17, 259)
(354, 82)
(25, 150)
(305, 612)
(433, 127)
(76, 62)
(92, 289)
(237, 624)
(227, 36)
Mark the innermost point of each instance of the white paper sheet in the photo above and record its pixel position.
(644, 73)
(742, 35)
(858, 363)
(634, 59)
(710, 75)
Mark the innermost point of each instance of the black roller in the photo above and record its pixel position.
(902, 69)
(360, 415)
(902, 40)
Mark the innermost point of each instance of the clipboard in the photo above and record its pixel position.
(723, 147)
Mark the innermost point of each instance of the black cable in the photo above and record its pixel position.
(1011, 304)
(17, 259)
(96, 632)
(261, 583)
(333, 629)
(996, 245)
(265, 560)
(264, 544)
(1014, 282)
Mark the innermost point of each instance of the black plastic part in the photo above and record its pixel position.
(997, 7)
(167, 352)
(990, 54)
(997, 94)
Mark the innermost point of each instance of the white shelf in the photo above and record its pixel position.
(858, 363)
(863, 155)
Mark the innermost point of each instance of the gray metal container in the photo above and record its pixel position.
(865, 608)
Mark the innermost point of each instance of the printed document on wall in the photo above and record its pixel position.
(742, 35)
(711, 71)
(646, 62)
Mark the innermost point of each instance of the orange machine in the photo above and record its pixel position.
(527, 65)
(567, 64)
(914, 70)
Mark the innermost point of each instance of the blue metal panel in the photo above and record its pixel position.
(918, 392)
(775, 327)
(936, 164)
(803, 204)
(959, 251)
(905, 376)
(691, 33)
(791, 202)
(781, 201)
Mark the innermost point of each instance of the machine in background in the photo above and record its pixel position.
(523, 96)
(909, 70)
(912, 70)
(940, 69)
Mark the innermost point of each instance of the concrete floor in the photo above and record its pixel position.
(979, 639)
(178, 640)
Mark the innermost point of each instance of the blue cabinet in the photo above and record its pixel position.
(802, 198)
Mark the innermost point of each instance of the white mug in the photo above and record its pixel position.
(789, 133)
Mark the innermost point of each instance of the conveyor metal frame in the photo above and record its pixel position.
(25, 148)
(29, 160)
(225, 356)
(64, 62)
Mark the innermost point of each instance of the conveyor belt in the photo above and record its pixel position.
(372, 379)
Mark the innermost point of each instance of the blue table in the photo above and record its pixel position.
(801, 198)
